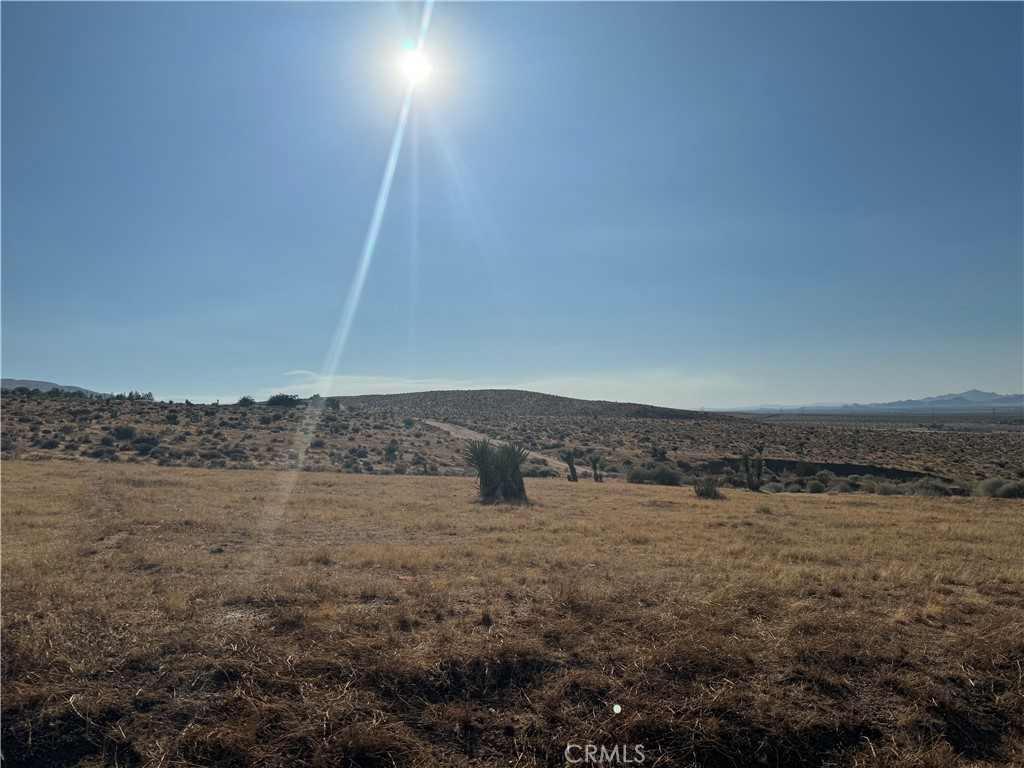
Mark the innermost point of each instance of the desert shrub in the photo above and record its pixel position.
(824, 476)
(929, 486)
(391, 452)
(282, 399)
(246, 400)
(990, 486)
(803, 469)
(794, 488)
(815, 486)
(707, 488)
(539, 472)
(842, 487)
(773, 487)
(661, 474)
(868, 486)
(887, 489)
(50, 444)
(1012, 489)
(400, 469)
(124, 432)
(318, 443)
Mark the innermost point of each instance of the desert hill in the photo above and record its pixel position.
(514, 403)
(43, 386)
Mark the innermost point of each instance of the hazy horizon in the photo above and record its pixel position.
(688, 205)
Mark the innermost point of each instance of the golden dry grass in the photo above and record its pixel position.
(173, 617)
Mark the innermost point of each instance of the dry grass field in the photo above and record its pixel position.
(163, 616)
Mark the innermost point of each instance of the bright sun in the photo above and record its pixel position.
(415, 66)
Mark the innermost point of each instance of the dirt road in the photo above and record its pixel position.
(468, 434)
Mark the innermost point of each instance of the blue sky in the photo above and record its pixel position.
(687, 204)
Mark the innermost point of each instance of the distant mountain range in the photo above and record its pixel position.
(971, 400)
(43, 386)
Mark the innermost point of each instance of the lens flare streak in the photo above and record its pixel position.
(355, 292)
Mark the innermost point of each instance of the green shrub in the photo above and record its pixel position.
(539, 472)
(794, 488)
(661, 474)
(929, 486)
(773, 487)
(887, 489)
(707, 488)
(803, 469)
(124, 432)
(815, 486)
(1012, 489)
(842, 487)
(989, 487)
(280, 398)
(246, 400)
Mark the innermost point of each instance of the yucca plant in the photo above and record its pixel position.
(707, 488)
(482, 457)
(509, 466)
(595, 465)
(499, 470)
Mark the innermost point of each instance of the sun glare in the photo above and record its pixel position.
(415, 66)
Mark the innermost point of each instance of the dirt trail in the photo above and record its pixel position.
(468, 434)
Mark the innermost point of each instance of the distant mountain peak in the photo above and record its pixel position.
(971, 400)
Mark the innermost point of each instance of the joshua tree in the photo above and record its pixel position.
(499, 470)
(569, 458)
(753, 470)
(595, 464)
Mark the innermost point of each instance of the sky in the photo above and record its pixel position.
(684, 204)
